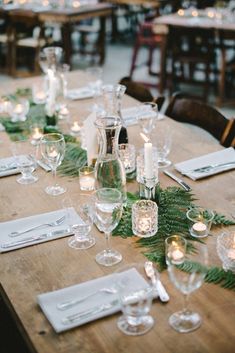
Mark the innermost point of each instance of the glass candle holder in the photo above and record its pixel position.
(36, 133)
(144, 218)
(127, 155)
(226, 250)
(175, 248)
(87, 178)
(63, 113)
(18, 110)
(75, 128)
(39, 92)
(200, 221)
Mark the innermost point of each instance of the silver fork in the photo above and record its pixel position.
(51, 224)
(207, 168)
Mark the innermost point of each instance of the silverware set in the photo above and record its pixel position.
(210, 167)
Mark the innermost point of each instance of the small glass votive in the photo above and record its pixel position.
(39, 92)
(200, 221)
(18, 110)
(175, 248)
(64, 113)
(87, 178)
(75, 129)
(144, 218)
(36, 133)
(127, 155)
(226, 250)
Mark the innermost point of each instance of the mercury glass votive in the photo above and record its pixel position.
(200, 221)
(87, 178)
(175, 249)
(144, 218)
(127, 155)
(226, 250)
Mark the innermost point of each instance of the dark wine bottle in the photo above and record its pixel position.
(123, 136)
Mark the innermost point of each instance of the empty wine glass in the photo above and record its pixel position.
(163, 141)
(147, 117)
(108, 212)
(80, 226)
(53, 150)
(94, 79)
(187, 282)
(25, 159)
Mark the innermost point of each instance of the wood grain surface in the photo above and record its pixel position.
(27, 272)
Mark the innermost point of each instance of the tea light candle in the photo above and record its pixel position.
(18, 109)
(87, 183)
(63, 113)
(194, 13)
(180, 12)
(75, 128)
(40, 97)
(199, 228)
(176, 254)
(53, 154)
(144, 224)
(231, 252)
(37, 134)
(76, 4)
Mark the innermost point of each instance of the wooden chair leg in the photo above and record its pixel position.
(134, 58)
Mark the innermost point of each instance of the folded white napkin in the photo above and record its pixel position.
(130, 115)
(219, 160)
(99, 305)
(80, 93)
(8, 167)
(45, 233)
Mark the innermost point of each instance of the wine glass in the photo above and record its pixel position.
(147, 117)
(108, 212)
(187, 282)
(53, 150)
(94, 79)
(25, 158)
(135, 292)
(163, 142)
(80, 226)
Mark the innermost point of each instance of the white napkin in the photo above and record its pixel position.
(24, 223)
(130, 115)
(80, 93)
(49, 301)
(221, 157)
(8, 167)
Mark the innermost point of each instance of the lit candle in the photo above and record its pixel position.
(18, 109)
(87, 183)
(64, 111)
(148, 158)
(40, 97)
(199, 228)
(231, 252)
(194, 13)
(180, 12)
(76, 4)
(37, 134)
(144, 224)
(53, 154)
(176, 255)
(75, 128)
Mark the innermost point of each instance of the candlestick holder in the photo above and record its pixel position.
(175, 249)
(147, 186)
(226, 250)
(144, 218)
(200, 221)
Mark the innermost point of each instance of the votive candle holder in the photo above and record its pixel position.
(144, 218)
(200, 221)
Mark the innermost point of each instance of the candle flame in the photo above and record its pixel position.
(144, 137)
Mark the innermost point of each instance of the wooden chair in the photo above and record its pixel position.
(5, 43)
(153, 37)
(140, 92)
(189, 110)
(192, 52)
(28, 39)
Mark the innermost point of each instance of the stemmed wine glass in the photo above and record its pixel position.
(147, 117)
(108, 212)
(187, 282)
(53, 150)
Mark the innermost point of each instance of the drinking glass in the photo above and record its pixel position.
(94, 79)
(147, 117)
(25, 158)
(81, 226)
(187, 282)
(108, 212)
(135, 292)
(163, 141)
(53, 150)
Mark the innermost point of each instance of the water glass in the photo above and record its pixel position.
(147, 117)
(163, 141)
(135, 292)
(94, 79)
(144, 218)
(25, 158)
(127, 155)
(200, 221)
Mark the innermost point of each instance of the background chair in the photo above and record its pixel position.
(182, 108)
(5, 43)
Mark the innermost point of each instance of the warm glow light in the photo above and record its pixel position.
(76, 3)
(181, 12)
(194, 13)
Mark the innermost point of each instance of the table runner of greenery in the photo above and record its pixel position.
(173, 202)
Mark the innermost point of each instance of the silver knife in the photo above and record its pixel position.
(209, 167)
(12, 244)
(178, 180)
(151, 272)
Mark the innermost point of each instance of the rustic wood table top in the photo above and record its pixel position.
(27, 272)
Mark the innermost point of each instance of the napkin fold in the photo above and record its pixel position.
(49, 301)
(212, 159)
(130, 115)
(8, 167)
(40, 235)
(80, 93)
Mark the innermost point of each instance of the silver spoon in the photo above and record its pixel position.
(70, 303)
(51, 224)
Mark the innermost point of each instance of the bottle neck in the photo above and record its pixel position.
(109, 141)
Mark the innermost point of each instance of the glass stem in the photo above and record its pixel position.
(186, 303)
(107, 242)
(54, 176)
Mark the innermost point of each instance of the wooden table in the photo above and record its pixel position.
(27, 272)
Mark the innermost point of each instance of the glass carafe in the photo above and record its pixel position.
(110, 171)
(112, 96)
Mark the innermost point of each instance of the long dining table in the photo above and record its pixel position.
(27, 272)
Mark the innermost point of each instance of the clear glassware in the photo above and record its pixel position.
(81, 227)
(110, 171)
(53, 150)
(200, 221)
(147, 117)
(135, 291)
(18, 110)
(144, 218)
(163, 142)
(187, 282)
(127, 155)
(50, 58)
(226, 250)
(25, 158)
(95, 81)
(108, 212)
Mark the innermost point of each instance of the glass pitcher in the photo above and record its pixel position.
(112, 97)
(110, 171)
